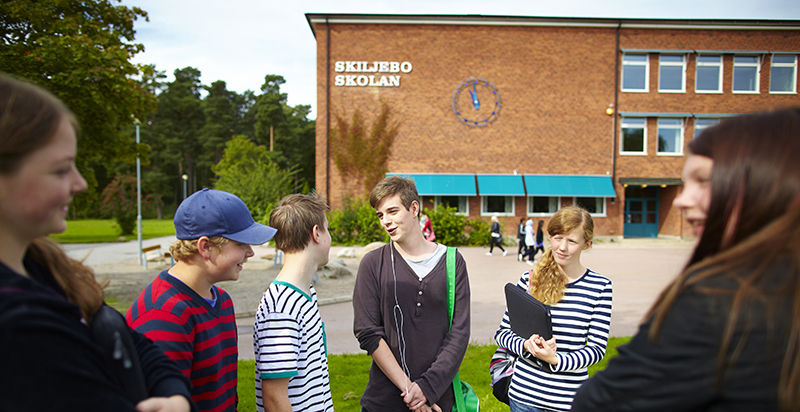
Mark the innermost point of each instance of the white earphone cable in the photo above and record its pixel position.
(399, 325)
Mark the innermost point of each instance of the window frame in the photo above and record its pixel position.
(794, 74)
(721, 72)
(621, 136)
(646, 65)
(529, 204)
(508, 199)
(679, 144)
(437, 200)
(757, 79)
(699, 129)
(662, 64)
(602, 200)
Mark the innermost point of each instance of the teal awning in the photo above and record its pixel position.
(569, 185)
(434, 184)
(501, 185)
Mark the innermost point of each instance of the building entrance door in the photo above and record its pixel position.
(641, 211)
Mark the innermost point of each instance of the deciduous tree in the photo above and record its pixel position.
(248, 171)
(81, 51)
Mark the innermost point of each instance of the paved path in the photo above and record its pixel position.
(639, 270)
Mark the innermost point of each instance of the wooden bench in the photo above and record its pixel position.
(153, 254)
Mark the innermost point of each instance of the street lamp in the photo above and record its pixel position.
(185, 177)
(138, 193)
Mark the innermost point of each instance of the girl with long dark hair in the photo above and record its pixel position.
(725, 334)
(48, 301)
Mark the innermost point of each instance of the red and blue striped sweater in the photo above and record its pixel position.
(201, 339)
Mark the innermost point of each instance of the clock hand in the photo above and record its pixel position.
(474, 94)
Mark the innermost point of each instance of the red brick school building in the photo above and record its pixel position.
(518, 116)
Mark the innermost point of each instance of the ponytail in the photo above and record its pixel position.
(74, 277)
(547, 281)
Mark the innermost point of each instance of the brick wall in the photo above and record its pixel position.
(555, 84)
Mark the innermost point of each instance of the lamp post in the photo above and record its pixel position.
(138, 193)
(185, 178)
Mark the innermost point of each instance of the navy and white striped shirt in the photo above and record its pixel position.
(289, 342)
(581, 321)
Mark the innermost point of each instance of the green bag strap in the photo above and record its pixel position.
(451, 299)
(451, 282)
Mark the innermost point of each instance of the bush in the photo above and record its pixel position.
(119, 202)
(448, 225)
(355, 224)
(478, 232)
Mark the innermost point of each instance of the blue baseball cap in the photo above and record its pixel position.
(217, 213)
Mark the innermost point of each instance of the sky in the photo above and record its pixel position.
(241, 41)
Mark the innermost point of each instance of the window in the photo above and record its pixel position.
(703, 124)
(635, 70)
(595, 205)
(709, 74)
(459, 202)
(783, 74)
(670, 73)
(497, 205)
(542, 205)
(632, 136)
(670, 136)
(745, 74)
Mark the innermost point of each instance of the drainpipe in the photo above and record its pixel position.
(616, 109)
(327, 110)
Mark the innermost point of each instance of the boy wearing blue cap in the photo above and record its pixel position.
(288, 336)
(182, 311)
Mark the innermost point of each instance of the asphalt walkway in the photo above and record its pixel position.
(638, 268)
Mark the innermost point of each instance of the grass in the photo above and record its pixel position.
(349, 374)
(101, 231)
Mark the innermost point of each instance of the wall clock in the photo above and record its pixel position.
(476, 102)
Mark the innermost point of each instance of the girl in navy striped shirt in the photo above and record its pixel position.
(548, 372)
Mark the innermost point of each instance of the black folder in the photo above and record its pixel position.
(527, 315)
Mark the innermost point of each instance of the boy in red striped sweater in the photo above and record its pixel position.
(182, 311)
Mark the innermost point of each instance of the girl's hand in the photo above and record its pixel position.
(544, 349)
(175, 403)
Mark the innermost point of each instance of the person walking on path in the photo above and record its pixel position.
(538, 243)
(521, 247)
(427, 226)
(530, 242)
(725, 334)
(51, 305)
(548, 372)
(496, 238)
(401, 311)
(288, 336)
(183, 312)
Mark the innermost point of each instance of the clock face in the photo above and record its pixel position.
(476, 102)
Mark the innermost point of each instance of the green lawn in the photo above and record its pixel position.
(349, 375)
(99, 231)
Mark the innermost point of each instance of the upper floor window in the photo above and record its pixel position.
(542, 205)
(633, 138)
(497, 205)
(709, 74)
(703, 124)
(635, 70)
(783, 74)
(670, 136)
(745, 74)
(671, 69)
(459, 202)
